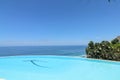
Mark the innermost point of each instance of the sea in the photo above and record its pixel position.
(43, 50)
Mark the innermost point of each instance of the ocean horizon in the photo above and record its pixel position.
(42, 50)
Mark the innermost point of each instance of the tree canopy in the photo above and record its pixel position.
(109, 50)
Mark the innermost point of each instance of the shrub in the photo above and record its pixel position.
(104, 50)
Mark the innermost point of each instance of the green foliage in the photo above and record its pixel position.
(104, 50)
(115, 41)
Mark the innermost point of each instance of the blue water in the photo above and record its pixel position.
(57, 68)
(43, 50)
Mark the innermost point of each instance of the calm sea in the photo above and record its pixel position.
(43, 50)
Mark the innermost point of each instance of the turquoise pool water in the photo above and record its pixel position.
(57, 68)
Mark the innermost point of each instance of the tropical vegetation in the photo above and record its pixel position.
(109, 50)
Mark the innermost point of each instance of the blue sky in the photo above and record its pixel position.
(58, 22)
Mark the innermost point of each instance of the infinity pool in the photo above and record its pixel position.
(57, 68)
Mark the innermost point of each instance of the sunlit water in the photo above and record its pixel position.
(43, 50)
(57, 68)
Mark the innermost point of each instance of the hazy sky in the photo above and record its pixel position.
(58, 22)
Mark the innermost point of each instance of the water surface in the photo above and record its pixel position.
(43, 50)
(57, 68)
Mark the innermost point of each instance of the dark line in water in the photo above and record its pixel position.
(32, 61)
(36, 60)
